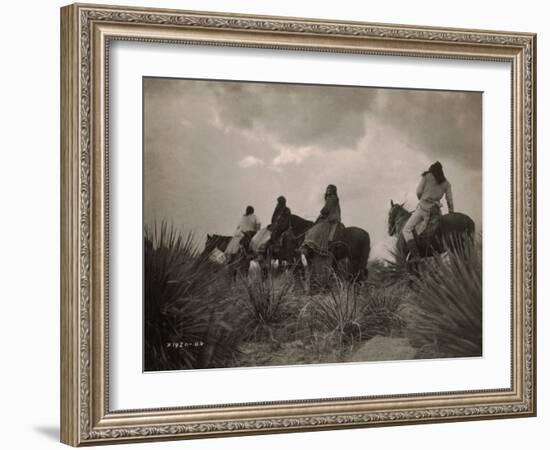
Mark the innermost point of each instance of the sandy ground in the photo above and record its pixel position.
(381, 348)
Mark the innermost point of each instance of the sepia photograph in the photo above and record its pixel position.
(287, 224)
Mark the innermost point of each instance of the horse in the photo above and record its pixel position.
(451, 234)
(214, 241)
(348, 255)
(291, 239)
(239, 261)
(283, 247)
(352, 247)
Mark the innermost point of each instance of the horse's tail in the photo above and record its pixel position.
(458, 232)
(471, 226)
(365, 254)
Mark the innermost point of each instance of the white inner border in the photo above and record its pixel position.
(130, 388)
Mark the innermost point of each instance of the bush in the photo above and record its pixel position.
(336, 310)
(188, 320)
(389, 273)
(379, 315)
(263, 303)
(448, 320)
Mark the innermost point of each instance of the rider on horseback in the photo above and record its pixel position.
(249, 224)
(280, 221)
(318, 237)
(433, 185)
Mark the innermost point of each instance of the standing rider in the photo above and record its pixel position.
(249, 223)
(319, 235)
(433, 185)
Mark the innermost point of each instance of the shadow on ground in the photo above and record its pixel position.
(51, 432)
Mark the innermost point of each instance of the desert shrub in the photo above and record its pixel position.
(263, 301)
(390, 272)
(380, 312)
(448, 319)
(188, 321)
(354, 311)
(335, 310)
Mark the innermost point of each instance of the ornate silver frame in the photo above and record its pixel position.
(86, 31)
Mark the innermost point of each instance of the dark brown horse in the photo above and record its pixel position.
(453, 230)
(286, 247)
(352, 247)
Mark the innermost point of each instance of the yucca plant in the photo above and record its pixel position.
(448, 320)
(379, 314)
(263, 304)
(186, 305)
(337, 310)
(390, 272)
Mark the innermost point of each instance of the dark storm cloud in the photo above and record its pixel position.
(439, 123)
(322, 116)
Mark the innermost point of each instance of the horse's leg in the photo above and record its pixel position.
(306, 268)
(233, 268)
(266, 266)
(236, 268)
(344, 268)
(320, 271)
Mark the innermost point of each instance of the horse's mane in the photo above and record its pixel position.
(402, 209)
(396, 218)
(219, 236)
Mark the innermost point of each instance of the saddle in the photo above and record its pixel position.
(322, 240)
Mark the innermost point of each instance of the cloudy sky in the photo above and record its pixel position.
(213, 147)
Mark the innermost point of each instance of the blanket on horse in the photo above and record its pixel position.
(259, 241)
(321, 236)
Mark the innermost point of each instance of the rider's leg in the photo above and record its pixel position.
(416, 218)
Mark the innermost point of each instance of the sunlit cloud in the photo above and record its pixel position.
(292, 155)
(251, 161)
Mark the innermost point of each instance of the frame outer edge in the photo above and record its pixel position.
(79, 393)
(534, 162)
(69, 360)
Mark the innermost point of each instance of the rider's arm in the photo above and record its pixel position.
(285, 219)
(420, 187)
(238, 229)
(449, 198)
(329, 207)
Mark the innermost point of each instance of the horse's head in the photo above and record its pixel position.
(211, 242)
(396, 211)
